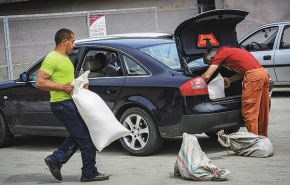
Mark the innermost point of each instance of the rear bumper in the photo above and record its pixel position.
(194, 124)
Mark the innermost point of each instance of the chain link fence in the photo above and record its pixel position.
(25, 39)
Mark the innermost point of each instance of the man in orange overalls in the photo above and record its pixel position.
(255, 86)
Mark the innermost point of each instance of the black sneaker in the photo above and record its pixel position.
(100, 177)
(55, 171)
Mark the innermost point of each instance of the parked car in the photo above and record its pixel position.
(152, 85)
(270, 44)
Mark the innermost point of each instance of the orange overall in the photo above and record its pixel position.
(255, 101)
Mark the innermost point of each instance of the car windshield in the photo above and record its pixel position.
(167, 54)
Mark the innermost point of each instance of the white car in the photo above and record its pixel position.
(270, 44)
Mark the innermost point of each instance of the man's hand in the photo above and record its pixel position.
(86, 86)
(227, 82)
(68, 88)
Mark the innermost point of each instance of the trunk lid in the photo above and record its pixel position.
(215, 29)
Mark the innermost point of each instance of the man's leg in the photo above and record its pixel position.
(66, 112)
(264, 109)
(251, 98)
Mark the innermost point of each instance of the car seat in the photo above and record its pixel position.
(110, 70)
(96, 65)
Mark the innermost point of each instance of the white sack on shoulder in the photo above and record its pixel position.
(247, 144)
(103, 126)
(192, 163)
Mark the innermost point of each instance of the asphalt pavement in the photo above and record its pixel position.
(23, 163)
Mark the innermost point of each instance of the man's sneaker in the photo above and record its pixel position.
(99, 177)
(55, 171)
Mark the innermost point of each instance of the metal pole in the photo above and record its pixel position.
(88, 24)
(156, 20)
(8, 49)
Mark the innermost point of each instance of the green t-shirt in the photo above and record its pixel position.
(61, 71)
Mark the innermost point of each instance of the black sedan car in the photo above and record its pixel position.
(152, 85)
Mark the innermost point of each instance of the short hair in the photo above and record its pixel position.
(62, 34)
(209, 54)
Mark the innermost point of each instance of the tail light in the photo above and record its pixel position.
(195, 86)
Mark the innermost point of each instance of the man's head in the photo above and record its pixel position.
(65, 38)
(208, 55)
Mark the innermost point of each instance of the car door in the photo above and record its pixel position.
(262, 44)
(30, 107)
(282, 56)
(107, 86)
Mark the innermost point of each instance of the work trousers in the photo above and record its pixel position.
(255, 101)
(79, 138)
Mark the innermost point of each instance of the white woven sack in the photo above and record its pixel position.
(247, 144)
(216, 88)
(103, 126)
(192, 163)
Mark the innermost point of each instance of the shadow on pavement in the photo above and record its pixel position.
(38, 179)
(171, 146)
(281, 94)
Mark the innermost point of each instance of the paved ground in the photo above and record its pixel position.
(23, 162)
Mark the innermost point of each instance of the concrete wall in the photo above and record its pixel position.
(261, 11)
(58, 6)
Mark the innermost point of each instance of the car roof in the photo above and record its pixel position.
(272, 24)
(133, 42)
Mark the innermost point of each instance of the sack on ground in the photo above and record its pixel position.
(247, 144)
(103, 126)
(192, 163)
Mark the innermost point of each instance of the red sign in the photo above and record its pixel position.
(97, 25)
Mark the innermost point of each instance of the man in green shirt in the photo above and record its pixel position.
(56, 75)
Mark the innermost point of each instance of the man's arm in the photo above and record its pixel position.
(232, 79)
(43, 82)
(212, 68)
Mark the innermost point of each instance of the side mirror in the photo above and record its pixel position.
(24, 76)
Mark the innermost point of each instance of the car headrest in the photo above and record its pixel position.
(92, 65)
(101, 58)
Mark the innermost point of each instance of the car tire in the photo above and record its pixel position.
(144, 137)
(6, 138)
(213, 135)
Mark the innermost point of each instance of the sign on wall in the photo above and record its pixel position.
(97, 25)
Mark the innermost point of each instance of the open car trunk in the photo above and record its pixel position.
(234, 91)
(211, 29)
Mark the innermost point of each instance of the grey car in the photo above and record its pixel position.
(270, 44)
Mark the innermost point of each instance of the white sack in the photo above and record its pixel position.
(192, 162)
(247, 144)
(103, 126)
(216, 88)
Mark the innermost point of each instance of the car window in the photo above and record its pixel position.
(164, 53)
(34, 71)
(101, 63)
(73, 55)
(132, 68)
(285, 41)
(261, 40)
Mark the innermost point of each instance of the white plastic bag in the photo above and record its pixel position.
(192, 163)
(216, 88)
(103, 126)
(247, 144)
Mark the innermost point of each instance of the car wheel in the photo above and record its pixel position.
(229, 131)
(6, 138)
(144, 137)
